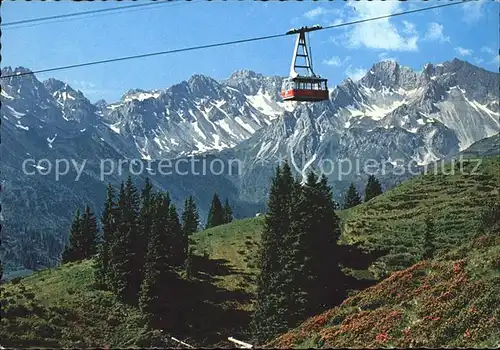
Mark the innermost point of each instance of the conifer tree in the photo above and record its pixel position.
(125, 274)
(373, 188)
(179, 245)
(90, 234)
(270, 316)
(325, 275)
(351, 198)
(228, 212)
(145, 224)
(73, 252)
(119, 263)
(429, 246)
(108, 221)
(190, 218)
(215, 213)
(309, 266)
(291, 274)
(131, 217)
(159, 279)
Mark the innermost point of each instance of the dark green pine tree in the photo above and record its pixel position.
(145, 224)
(228, 212)
(215, 213)
(120, 263)
(159, 279)
(270, 316)
(131, 216)
(179, 242)
(322, 260)
(312, 275)
(108, 222)
(90, 233)
(373, 188)
(429, 246)
(123, 257)
(73, 251)
(292, 259)
(351, 198)
(190, 218)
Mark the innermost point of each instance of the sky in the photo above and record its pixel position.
(467, 31)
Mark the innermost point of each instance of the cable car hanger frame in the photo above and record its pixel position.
(307, 87)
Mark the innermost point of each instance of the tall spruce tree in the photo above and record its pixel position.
(159, 279)
(292, 259)
(270, 316)
(228, 212)
(429, 246)
(190, 218)
(373, 188)
(322, 258)
(108, 223)
(309, 266)
(216, 213)
(351, 198)
(145, 224)
(120, 263)
(179, 242)
(123, 259)
(131, 217)
(90, 233)
(73, 251)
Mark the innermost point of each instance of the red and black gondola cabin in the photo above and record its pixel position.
(304, 89)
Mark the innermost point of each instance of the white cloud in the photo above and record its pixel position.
(435, 33)
(478, 60)
(336, 61)
(380, 34)
(473, 11)
(463, 52)
(91, 90)
(83, 85)
(318, 11)
(487, 50)
(409, 28)
(384, 56)
(336, 22)
(496, 60)
(355, 73)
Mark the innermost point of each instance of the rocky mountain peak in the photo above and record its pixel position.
(101, 104)
(389, 74)
(252, 83)
(200, 85)
(243, 74)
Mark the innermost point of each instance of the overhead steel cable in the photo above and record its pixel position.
(192, 48)
(67, 16)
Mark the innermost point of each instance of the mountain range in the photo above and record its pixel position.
(392, 116)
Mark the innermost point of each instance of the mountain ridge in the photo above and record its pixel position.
(239, 118)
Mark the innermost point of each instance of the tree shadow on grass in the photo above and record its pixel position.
(204, 312)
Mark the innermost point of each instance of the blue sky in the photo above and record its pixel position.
(467, 31)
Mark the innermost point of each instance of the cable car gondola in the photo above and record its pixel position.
(308, 87)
